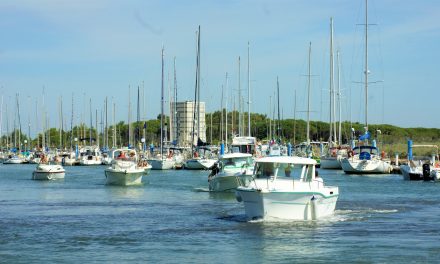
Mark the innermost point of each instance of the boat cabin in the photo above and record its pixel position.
(244, 145)
(234, 160)
(296, 168)
(365, 152)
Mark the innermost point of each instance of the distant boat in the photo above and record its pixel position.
(14, 159)
(334, 157)
(412, 171)
(365, 159)
(48, 172)
(202, 159)
(231, 171)
(162, 161)
(124, 169)
(91, 155)
(287, 188)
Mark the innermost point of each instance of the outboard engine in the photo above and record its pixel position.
(427, 172)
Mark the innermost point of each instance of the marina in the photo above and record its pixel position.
(172, 216)
(219, 132)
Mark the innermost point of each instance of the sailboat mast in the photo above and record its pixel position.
(198, 84)
(106, 123)
(61, 122)
(175, 103)
(138, 116)
(91, 124)
(366, 64)
(19, 122)
(161, 109)
(249, 94)
(308, 94)
(294, 121)
(195, 104)
(240, 127)
(339, 99)
(129, 117)
(332, 106)
(278, 102)
(226, 117)
(114, 125)
(270, 118)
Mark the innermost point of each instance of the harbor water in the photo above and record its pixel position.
(171, 218)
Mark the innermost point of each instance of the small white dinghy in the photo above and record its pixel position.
(47, 172)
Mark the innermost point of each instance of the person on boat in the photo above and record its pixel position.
(43, 159)
(121, 155)
(287, 171)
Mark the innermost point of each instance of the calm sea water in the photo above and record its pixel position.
(171, 219)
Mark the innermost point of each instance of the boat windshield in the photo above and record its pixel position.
(282, 170)
(368, 149)
(237, 162)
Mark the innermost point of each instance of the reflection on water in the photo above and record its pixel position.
(125, 192)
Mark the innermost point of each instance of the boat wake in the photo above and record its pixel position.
(360, 215)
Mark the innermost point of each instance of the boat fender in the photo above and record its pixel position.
(238, 197)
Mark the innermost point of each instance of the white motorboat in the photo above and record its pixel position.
(159, 163)
(332, 160)
(90, 156)
(124, 170)
(365, 160)
(412, 171)
(199, 164)
(231, 171)
(287, 188)
(106, 158)
(48, 172)
(14, 160)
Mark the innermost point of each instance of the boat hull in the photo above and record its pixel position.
(90, 162)
(411, 174)
(225, 183)
(161, 164)
(199, 164)
(331, 163)
(286, 205)
(124, 178)
(48, 172)
(356, 166)
(13, 161)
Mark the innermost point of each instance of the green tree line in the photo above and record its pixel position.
(286, 130)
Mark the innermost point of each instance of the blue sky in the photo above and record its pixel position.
(93, 49)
